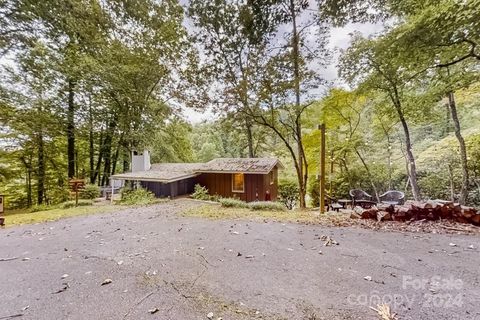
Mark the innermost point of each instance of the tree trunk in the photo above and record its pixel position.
(91, 147)
(126, 157)
(452, 182)
(107, 165)
(107, 149)
(41, 169)
(248, 126)
(302, 169)
(117, 153)
(71, 130)
(28, 182)
(330, 176)
(99, 160)
(412, 172)
(463, 150)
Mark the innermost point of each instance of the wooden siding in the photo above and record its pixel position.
(256, 185)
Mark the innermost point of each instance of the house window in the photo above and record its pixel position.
(238, 182)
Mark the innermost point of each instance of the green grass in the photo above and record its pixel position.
(18, 217)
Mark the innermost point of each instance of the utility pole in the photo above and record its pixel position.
(321, 127)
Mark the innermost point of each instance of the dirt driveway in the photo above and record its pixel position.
(190, 268)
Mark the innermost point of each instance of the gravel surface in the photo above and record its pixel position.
(155, 264)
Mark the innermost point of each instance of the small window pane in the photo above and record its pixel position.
(238, 182)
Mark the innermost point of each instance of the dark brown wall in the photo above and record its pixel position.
(172, 189)
(221, 184)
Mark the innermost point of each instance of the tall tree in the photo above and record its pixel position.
(234, 35)
(286, 81)
(440, 38)
(370, 63)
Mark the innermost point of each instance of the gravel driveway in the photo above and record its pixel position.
(190, 268)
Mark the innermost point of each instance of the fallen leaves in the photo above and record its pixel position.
(328, 241)
(106, 281)
(384, 312)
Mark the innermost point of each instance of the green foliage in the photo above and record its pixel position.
(232, 203)
(41, 207)
(64, 49)
(172, 143)
(91, 191)
(139, 196)
(62, 77)
(200, 193)
(71, 204)
(314, 192)
(255, 205)
(289, 193)
(266, 206)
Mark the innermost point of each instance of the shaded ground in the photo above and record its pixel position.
(236, 269)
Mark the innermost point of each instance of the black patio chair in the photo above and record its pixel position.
(361, 198)
(332, 203)
(393, 197)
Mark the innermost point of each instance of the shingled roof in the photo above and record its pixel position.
(162, 172)
(170, 172)
(240, 165)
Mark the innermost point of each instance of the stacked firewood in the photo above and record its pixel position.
(416, 210)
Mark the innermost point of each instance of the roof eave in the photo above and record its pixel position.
(232, 171)
(130, 178)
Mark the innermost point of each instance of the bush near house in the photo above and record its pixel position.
(289, 193)
(137, 196)
(256, 205)
(232, 203)
(91, 191)
(267, 206)
(200, 193)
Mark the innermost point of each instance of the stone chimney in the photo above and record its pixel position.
(140, 162)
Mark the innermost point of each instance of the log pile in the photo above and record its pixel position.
(416, 210)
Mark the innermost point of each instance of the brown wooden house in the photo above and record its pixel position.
(248, 179)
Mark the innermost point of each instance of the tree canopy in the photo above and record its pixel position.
(86, 83)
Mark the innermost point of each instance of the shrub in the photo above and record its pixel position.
(232, 203)
(289, 193)
(314, 192)
(200, 193)
(137, 196)
(267, 205)
(59, 194)
(91, 191)
(71, 204)
(41, 207)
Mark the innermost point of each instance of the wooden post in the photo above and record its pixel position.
(2, 206)
(111, 197)
(75, 186)
(321, 127)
